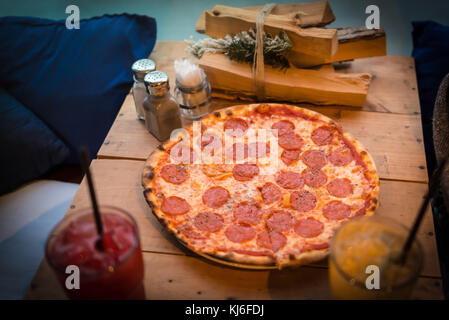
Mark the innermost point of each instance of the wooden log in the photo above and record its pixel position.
(230, 79)
(308, 14)
(353, 43)
(223, 20)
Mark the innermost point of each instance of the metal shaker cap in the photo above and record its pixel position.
(141, 67)
(156, 82)
(156, 79)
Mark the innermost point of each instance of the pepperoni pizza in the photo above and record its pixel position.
(265, 202)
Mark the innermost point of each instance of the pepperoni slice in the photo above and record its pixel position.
(187, 230)
(322, 136)
(340, 188)
(270, 193)
(174, 173)
(314, 178)
(308, 228)
(208, 222)
(362, 211)
(289, 180)
(238, 233)
(206, 140)
(215, 197)
(236, 127)
(278, 240)
(258, 150)
(314, 159)
(181, 153)
(279, 221)
(290, 141)
(245, 172)
(238, 152)
(247, 213)
(210, 142)
(175, 205)
(271, 240)
(336, 210)
(283, 127)
(302, 200)
(340, 157)
(263, 240)
(289, 156)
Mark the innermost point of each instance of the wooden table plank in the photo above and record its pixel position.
(394, 86)
(394, 140)
(182, 277)
(118, 183)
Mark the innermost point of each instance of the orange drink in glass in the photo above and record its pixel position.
(364, 260)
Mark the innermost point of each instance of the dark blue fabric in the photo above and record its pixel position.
(75, 80)
(29, 147)
(431, 53)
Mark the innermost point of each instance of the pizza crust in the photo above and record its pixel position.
(231, 257)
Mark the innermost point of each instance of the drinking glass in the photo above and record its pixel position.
(91, 269)
(364, 260)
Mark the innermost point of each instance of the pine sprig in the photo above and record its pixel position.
(241, 48)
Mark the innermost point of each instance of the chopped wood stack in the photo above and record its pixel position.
(313, 45)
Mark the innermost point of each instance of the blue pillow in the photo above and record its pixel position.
(75, 80)
(431, 53)
(29, 147)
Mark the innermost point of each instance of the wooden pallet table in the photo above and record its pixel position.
(388, 125)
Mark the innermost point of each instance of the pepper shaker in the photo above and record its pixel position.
(140, 68)
(161, 109)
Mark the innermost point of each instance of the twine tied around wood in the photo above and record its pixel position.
(258, 69)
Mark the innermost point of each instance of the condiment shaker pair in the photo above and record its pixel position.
(155, 104)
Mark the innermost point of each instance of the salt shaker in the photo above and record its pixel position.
(140, 68)
(193, 91)
(161, 109)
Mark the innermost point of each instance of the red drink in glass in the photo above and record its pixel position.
(112, 272)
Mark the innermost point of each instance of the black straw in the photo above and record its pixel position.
(85, 161)
(433, 186)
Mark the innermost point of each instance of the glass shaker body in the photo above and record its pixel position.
(161, 109)
(194, 101)
(140, 68)
(161, 115)
(139, 95)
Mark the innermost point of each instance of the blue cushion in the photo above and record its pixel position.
(75, 80)
(29, 147)
(431, 53)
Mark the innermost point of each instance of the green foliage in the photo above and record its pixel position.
(241, 48)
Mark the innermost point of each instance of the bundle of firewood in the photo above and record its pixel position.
(310, 76)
